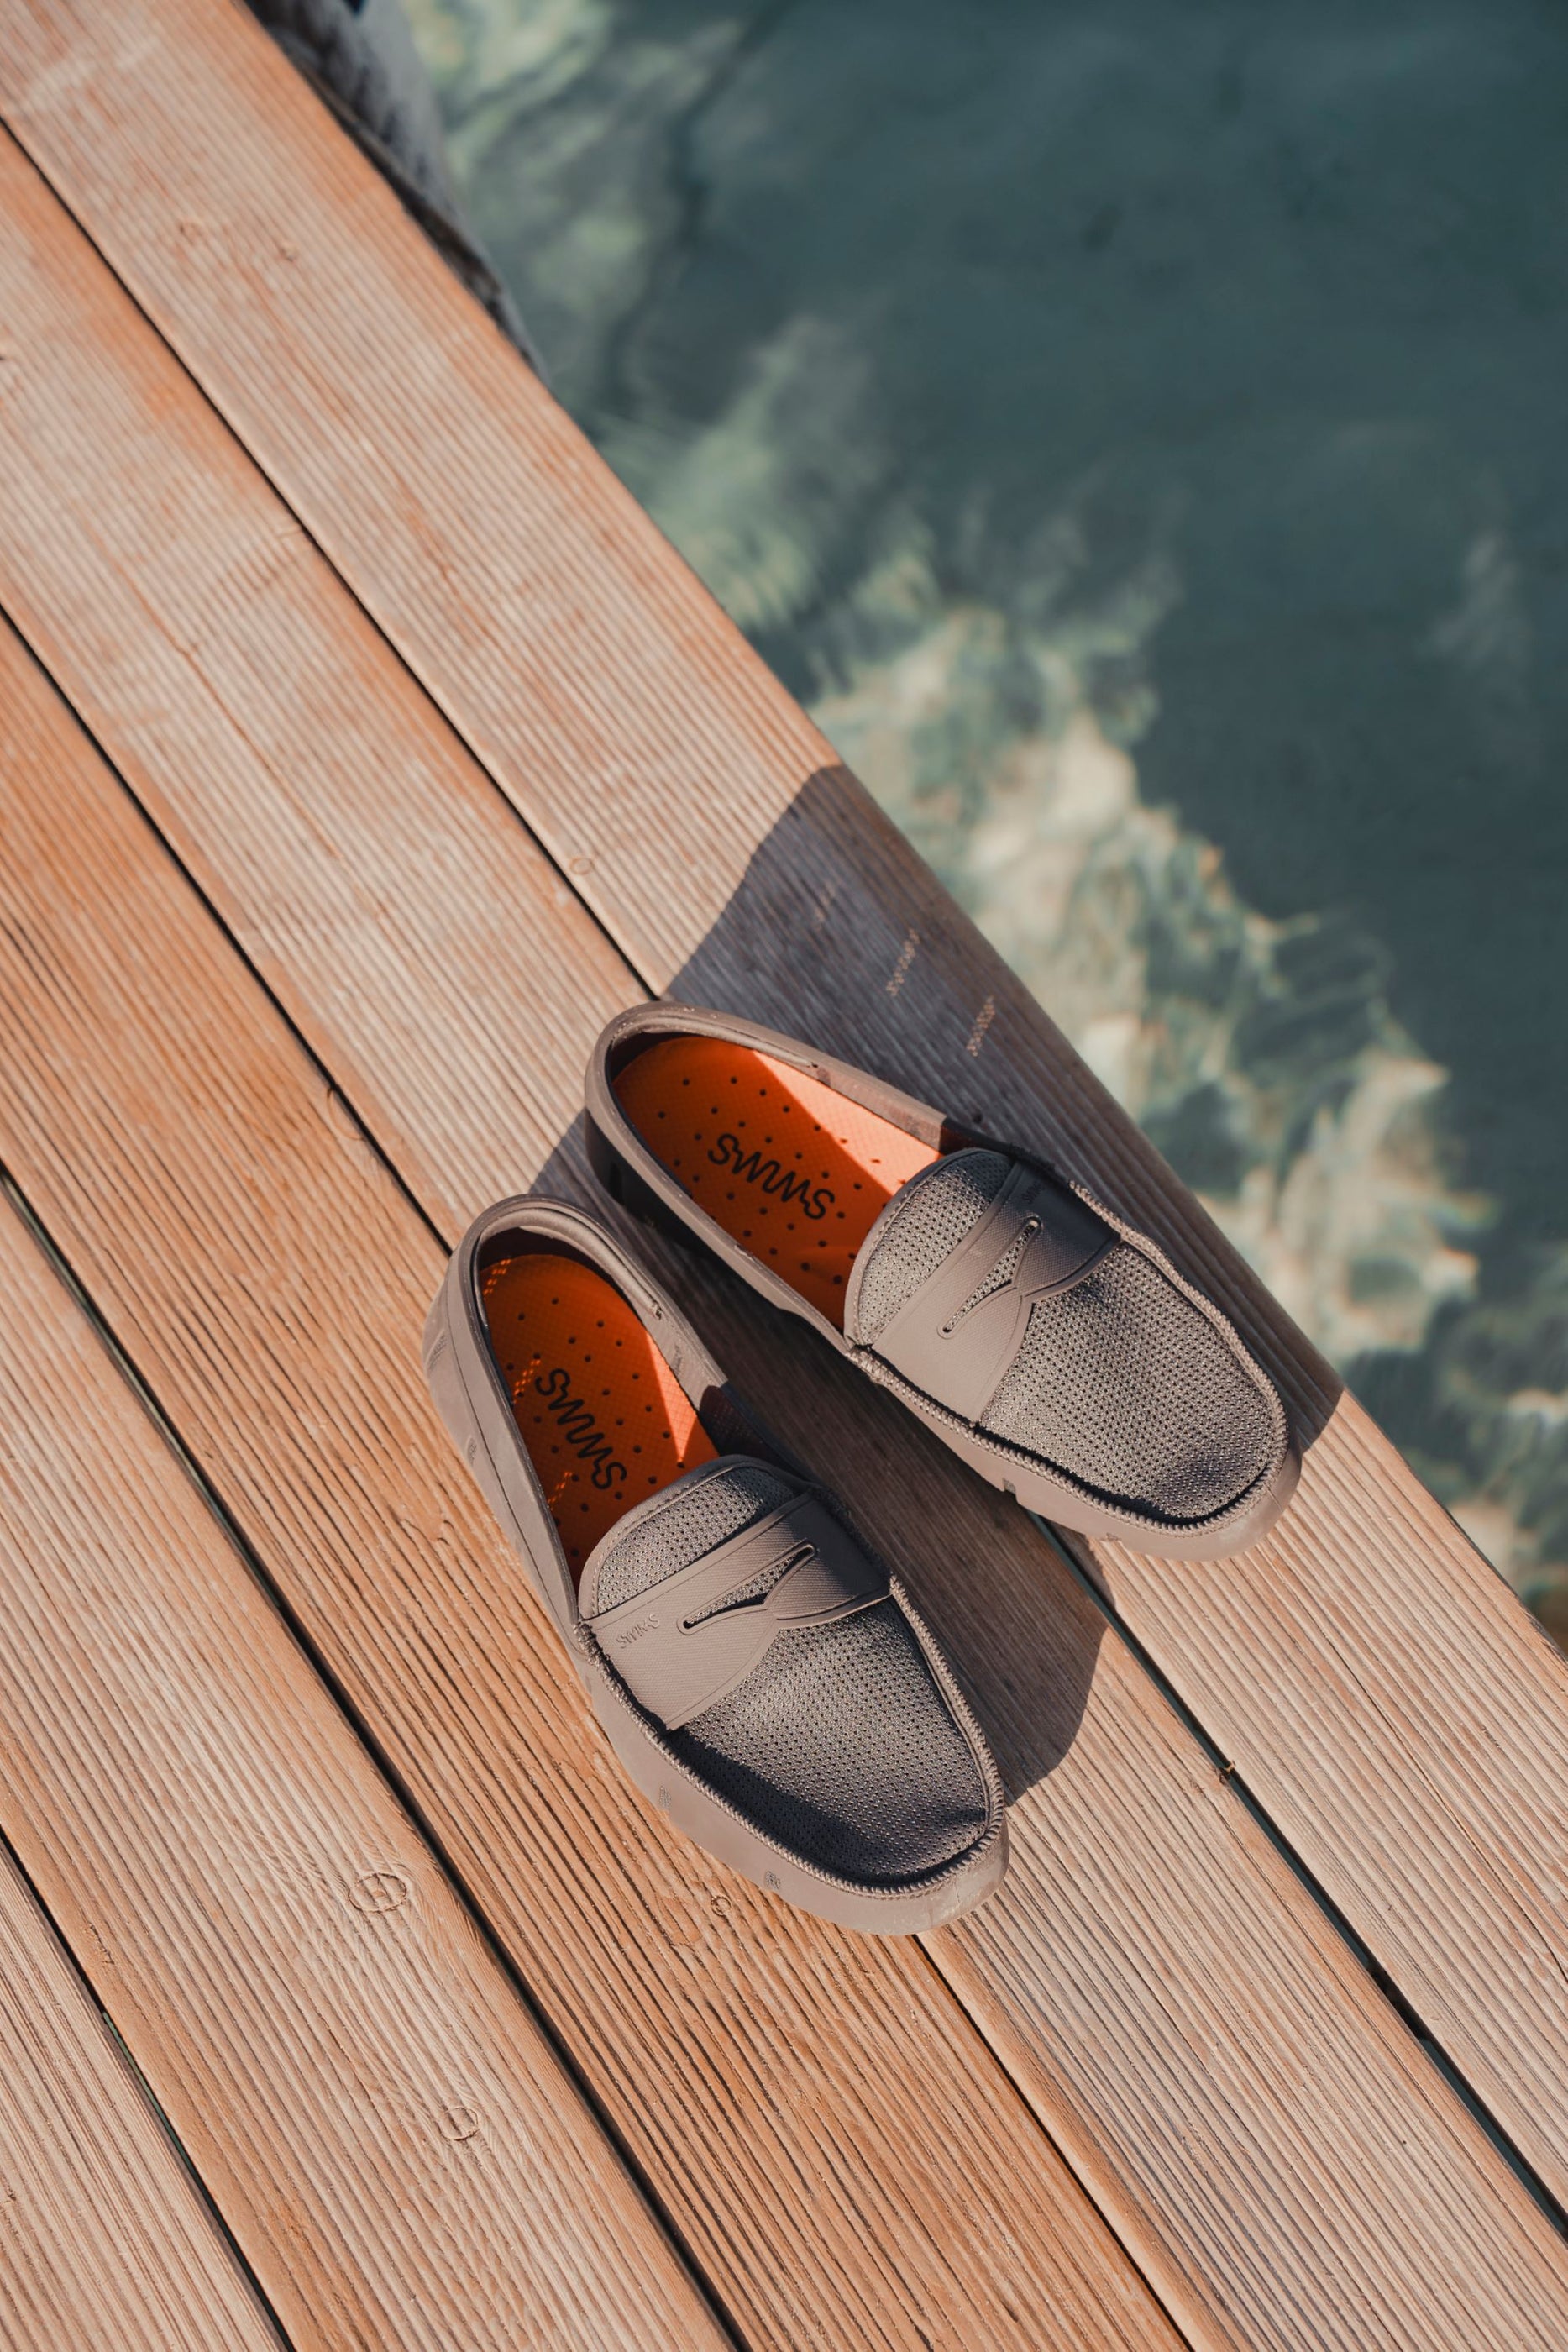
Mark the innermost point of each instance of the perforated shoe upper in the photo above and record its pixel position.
(1118, 1378)
(840, 1743)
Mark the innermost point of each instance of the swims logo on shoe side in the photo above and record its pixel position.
(728, 1152)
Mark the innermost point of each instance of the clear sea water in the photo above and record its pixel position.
(1139, 435)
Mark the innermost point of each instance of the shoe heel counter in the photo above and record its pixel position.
(436, 1335)
(623, 1183)
(438, 1355)
(606, 1162)
(449, 1393)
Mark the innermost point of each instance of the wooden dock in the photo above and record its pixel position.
(362, 749)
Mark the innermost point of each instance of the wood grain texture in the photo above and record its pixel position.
(105, 2245)
(1398, 1714)
(1133, 1973)
(397, 2152)
(845, 2155)
(540, 616)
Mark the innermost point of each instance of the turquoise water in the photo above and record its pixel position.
(1137, 433)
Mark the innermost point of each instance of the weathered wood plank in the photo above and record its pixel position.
(1137, 2023)
(837, 2143)
(544, 613)
(398, 2153)
(105, 2246)
(846, 2157)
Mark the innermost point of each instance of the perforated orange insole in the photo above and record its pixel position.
(605, 1421)
(796, 1172)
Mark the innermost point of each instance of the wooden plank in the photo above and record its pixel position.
(839, 2144)
(105, 2245)
(1399, 1714)
(1335, 2170)
(395, 2148)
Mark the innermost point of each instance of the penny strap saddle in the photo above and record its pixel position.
(958, 1335)
(686, 1642)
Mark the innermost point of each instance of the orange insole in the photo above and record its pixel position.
(605, 1421)
(797, 1174)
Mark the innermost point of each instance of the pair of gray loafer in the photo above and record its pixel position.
(762, 1677)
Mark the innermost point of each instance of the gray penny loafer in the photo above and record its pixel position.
(1044, 1340)
(760, 1675)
